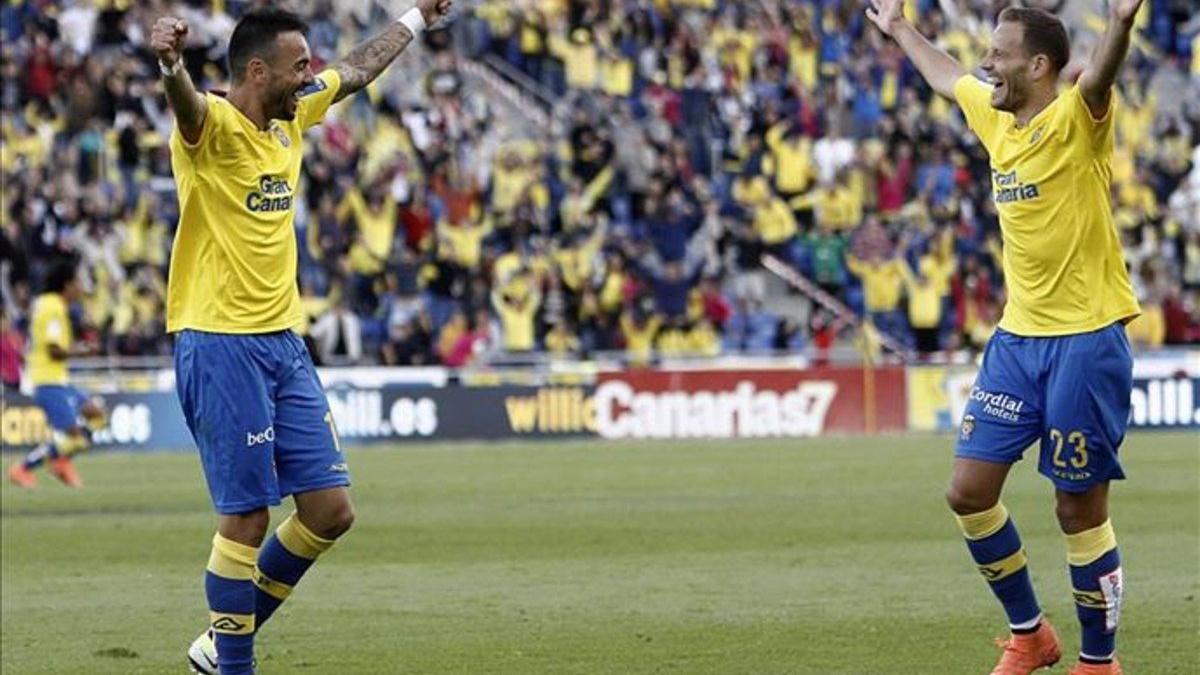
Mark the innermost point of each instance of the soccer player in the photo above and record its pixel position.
(248, 388)
(71, 414)
(1059, 369)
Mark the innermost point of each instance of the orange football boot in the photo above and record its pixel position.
(20, 476)
(64, 470)
(1026, 653)
(1082, 668)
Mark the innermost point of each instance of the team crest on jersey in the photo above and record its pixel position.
(1037, 135)
(280, 134)
(968, 427)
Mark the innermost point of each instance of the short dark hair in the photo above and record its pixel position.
(255, 35)
(1043, 33)
(61, 274)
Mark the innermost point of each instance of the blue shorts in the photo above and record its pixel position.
(1072, 393)
(259, 415)
(62, 404)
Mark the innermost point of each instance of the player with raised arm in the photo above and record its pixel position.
(247, 385)
(1059, 368)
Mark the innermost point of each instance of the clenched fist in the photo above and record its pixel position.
(433, 10)
(167, 39)
(885, 14)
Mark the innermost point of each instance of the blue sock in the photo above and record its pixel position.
(282, 561)
(1098, 586)
(229, 586)
(40, 454)
(996, 547)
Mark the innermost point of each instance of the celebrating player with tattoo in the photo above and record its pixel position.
(248, 388)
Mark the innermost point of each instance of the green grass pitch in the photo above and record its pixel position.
(818, 556)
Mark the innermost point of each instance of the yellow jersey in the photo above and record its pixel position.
(881, 282)
(233, 265)
(792, 163)
(51, 326)
(517, 321)
(924, 300)
(774, 222)
(463, 243)
(370, 252)
(562, 342)
(1064, 269)
(639, 339)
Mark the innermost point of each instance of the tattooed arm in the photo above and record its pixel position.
(365, 62)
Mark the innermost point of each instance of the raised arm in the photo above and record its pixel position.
(1096, 81)
(936, 66)
(190, 107)
(365, 62)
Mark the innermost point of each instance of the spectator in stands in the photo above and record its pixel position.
(338, 334)
(723, 129)
(517, 311)
(833, 204)
(455, 341)
(1148, 331)
(372, 218)
(924, 309)
(12, 352)
(703, 339)
(775, 226)
(410, 343)
(708, 303)
(790, 160)
(826, 251)
(882, 281)
(788, 337)
(639, 328)
(562, 341)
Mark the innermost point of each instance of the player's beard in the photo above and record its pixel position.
(285, 104)
(1011, 91)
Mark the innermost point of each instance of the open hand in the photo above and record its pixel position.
(1124, 10)
(885, 13)
(167, 39)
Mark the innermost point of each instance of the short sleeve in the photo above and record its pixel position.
(316, 98)
(1101, 132)
(974, 97)
(214, 119)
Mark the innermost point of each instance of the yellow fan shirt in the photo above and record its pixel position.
(233, 265)
(1063, 265)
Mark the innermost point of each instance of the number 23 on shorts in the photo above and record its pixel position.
(1076, 441)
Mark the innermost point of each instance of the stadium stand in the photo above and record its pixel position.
(615, 192)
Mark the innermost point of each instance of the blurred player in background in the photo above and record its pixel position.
(71, 414)
(246, 382)
(1059, 369)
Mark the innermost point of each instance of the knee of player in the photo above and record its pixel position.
(246, 528)
(94, 415)
(340, 521)
(73, 441)
(1077, 515)
(965, 502)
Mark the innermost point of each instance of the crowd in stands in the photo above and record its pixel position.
(690, 138)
